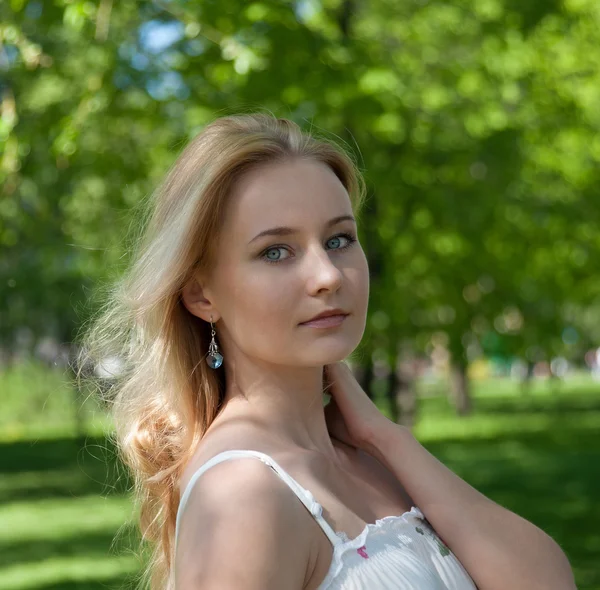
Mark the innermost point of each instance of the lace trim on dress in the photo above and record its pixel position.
(348, 544)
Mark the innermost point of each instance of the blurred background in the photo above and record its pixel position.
(476, 123)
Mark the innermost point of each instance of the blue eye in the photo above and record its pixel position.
(351, 240)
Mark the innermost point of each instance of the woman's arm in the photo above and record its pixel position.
(498, 548)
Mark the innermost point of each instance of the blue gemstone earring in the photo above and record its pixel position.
(214, 358)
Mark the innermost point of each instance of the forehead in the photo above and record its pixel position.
(288, 193)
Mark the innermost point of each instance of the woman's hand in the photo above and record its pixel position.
(350, 415)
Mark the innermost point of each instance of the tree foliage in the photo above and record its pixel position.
(475, 123)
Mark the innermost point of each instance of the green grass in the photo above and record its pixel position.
(62, 502)
(42, 403)
(63, 497)
(537, 455)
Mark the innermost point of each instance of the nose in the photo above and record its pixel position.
(322, 272)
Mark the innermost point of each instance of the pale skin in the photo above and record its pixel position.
(243, 527)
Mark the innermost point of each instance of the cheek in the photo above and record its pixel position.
(266, 294)
(263, 311)
(359, 280)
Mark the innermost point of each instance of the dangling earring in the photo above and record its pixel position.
(214, 358)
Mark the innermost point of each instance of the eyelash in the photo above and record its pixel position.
(351, 240)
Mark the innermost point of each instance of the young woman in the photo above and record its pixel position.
(245, 481)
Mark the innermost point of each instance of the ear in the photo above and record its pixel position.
(195, 301)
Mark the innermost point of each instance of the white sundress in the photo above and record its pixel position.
(395, 553)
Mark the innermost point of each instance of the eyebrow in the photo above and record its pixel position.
(286, 231)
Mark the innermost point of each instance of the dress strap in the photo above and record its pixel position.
(303, 494)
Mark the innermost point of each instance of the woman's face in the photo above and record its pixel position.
(264, 286)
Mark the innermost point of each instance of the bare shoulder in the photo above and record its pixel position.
(242, 527)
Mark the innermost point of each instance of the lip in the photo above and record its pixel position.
(327, 313)
(329, 321)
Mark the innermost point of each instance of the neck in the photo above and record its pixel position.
(285, 401)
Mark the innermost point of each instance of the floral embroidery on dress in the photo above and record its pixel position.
(362, 551)
(443, 548)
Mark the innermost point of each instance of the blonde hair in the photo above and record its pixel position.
(165, 396)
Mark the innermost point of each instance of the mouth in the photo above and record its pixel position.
(330, 321)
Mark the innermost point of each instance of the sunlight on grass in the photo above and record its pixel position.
(440, 428)
(42, 403)
(79, 569)
(65, 541)
(69, 517)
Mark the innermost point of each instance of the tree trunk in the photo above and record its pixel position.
(406, 399)
(391, 395)
(461, 390)
(403, 393)
(526, 382)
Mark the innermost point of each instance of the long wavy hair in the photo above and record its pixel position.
(164, 396)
